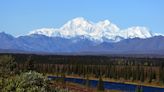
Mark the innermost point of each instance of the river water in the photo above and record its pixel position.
(112, 85)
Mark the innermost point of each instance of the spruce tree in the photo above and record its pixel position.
(87, 81)
(100, 85)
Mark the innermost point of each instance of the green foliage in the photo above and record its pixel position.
(13, 81)
(124, 68)
(27, 82)
(161, 73)
(7, 68)
(30, 64)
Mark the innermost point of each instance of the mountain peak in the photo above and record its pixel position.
(79, 19)
(139, 32)
(43, 31)
(94, 31)
(78, 22)
(4, 35)
(105, 22)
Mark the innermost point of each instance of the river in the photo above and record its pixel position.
(112, 85)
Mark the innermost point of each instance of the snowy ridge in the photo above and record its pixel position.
(95, 31)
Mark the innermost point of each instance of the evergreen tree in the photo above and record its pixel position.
(100, 85)
(29, 64)
(161, 74)
(150, 75)
(87, 83)
(7, 69)
(63, 78)
(142, 75)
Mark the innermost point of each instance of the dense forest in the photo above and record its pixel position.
(143, 69)
(14, 79)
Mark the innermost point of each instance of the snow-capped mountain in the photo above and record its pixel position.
(100, 31)
(80, 35)
(44, 44)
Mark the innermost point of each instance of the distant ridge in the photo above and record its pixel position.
(57, 45)
(81, 36)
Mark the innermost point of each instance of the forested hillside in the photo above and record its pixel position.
(149, 70)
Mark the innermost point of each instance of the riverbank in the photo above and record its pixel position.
(117, 81)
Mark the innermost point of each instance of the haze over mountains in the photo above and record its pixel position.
(82, 36)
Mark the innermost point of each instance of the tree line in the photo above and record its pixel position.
(143, 69)
(14, 79)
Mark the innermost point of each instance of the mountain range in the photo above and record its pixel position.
(82, 36)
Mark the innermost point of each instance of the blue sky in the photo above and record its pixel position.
(18, 17)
